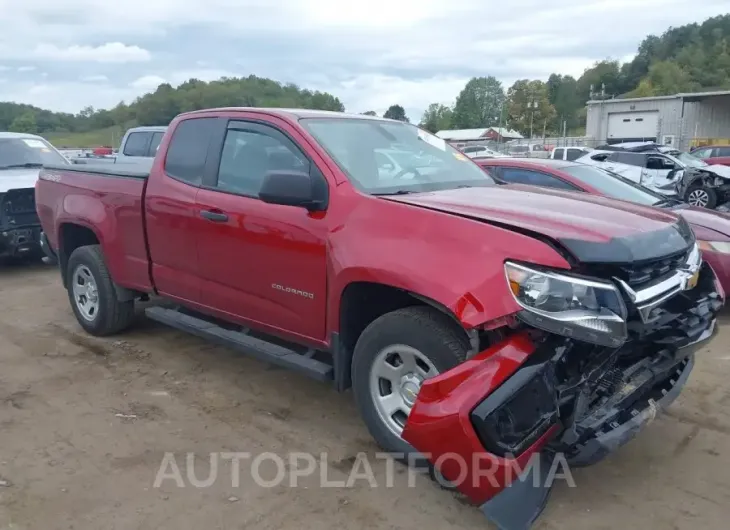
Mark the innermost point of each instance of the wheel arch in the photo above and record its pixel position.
(361, 302)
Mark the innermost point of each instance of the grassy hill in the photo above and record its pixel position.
(109, 136)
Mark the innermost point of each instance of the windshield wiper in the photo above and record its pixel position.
(666, 202)
(396, 192)
(27, 164)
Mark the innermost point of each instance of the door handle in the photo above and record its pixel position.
(216, 217)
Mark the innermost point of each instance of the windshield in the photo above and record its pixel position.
(426, 162)
(613, 185)
(689, 160)
(27, 152)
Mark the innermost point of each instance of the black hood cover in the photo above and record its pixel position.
(643, 246)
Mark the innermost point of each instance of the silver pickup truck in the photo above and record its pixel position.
(139, 145)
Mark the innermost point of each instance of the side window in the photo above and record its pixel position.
(248, 154)
(154, 144)
(136, 144)
(558, 154)
(722, 151)
(574, 154)
(631, 159)
(659, 163)
(188, 149)
(533, 178)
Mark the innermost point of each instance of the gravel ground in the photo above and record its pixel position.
(85, 424)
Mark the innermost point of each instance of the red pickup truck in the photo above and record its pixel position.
(468, 318)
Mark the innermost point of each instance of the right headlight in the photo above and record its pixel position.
(580, 308)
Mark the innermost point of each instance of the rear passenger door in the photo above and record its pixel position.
(261, 264)
(170, 209)
(627, 164)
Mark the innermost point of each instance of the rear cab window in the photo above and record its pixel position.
(558, 153)
(188, 149)
(137, 144)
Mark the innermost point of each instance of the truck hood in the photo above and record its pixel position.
(593, 229)
(13, 179)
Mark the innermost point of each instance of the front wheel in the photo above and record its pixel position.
(395, 354)
(702, 197)
(92, 294)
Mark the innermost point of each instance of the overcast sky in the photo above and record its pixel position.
(66, 54)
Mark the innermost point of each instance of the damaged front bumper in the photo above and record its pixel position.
(20, 241)
(495, 425)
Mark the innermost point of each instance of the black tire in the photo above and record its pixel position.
(113, 316)
(426, 329)
(711, 194)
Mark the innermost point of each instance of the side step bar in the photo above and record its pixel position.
(242, 342)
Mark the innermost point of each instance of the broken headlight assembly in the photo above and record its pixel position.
(580, 308)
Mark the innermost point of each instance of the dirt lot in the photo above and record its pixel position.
(85, 423)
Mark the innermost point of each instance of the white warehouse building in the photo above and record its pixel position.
(682, 120)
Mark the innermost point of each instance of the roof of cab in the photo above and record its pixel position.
(528, 162)
(292, 113)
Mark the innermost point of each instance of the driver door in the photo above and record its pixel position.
(658, 169)
(261, 263)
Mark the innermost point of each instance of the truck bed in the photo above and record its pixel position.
(107, 201)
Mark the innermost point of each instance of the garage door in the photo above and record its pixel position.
(633, 126)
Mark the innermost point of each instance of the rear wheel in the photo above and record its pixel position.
(92, 294)
(702, 197)
(395, 354)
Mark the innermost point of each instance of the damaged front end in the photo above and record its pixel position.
(20, 228)
(703, 179)
(557, 389)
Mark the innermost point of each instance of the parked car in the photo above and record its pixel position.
(21, 159)
(712, 228)
(139, 146)
(527, 150)
(480, 151)
(666, 171)
(468, 318)
(713, 154)
(569, 153)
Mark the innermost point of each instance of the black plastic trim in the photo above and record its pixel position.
(242, 342)
(104, 170)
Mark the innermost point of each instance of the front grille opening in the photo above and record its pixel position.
(642, 275)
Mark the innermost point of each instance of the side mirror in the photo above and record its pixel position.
(294, 188)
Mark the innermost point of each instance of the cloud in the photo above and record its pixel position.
(111, 52)
(95, 78)
(26, 68)
(148, 82)
(370, 54)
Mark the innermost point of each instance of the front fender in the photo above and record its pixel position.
(456, 262)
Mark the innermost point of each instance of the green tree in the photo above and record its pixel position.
(479, 104)
(563, 95)
(529, 108)
(437, 117)
(25, 123)
(603, 74)
(669, 78)
(396, 112)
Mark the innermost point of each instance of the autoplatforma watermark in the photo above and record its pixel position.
(480, 470)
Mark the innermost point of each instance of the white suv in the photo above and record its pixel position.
(657, 171)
